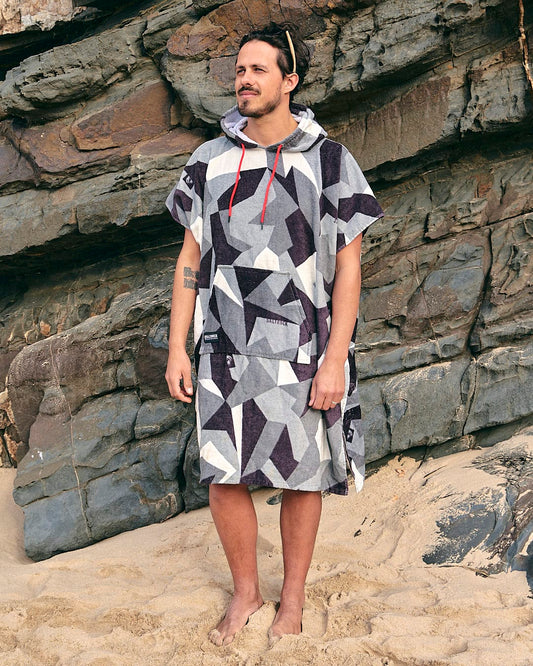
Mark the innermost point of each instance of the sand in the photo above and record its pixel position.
(150, 596)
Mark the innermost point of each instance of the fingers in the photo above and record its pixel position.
(328, 385)
(182, 395)
(323, 400)
(177, 391)
(179, 382)
(312, 396)
(186, 381)
(324, 403)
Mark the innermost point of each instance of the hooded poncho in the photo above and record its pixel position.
(269, 223)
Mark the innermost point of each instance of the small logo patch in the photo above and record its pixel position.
(211, 337)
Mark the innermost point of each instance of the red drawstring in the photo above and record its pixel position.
(269, 184)
(236, 180)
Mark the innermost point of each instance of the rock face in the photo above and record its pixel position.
(17, 15)
(495, 516)
(95, 126)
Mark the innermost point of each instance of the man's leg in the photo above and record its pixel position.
(236, 522)
(299, 519)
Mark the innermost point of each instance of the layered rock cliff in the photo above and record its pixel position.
(99, 110)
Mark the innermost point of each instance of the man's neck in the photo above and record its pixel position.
(272, 128)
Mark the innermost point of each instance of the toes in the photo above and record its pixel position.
(222, 636)
(282, 626)
(216, 637)
(273, 637)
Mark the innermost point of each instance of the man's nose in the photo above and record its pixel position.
(247, 77)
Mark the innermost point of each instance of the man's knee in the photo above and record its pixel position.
(225, 492)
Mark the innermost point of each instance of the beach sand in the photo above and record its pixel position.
(150, 596)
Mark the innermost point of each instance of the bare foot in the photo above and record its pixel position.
(235, 619)
(288, 620)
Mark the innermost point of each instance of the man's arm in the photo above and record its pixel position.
(178, 374)
(328, 383)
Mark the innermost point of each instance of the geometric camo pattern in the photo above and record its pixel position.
(263, 309)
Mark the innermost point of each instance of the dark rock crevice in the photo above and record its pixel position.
(142, 235)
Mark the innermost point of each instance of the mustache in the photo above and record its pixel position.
(248, 89)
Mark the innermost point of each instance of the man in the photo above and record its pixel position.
(270, 267)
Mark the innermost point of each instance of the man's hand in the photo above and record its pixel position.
(328, 385)
(178, 376)
(327, 389)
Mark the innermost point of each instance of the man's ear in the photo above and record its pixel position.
(291, 81)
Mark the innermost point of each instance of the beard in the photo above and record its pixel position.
(246, 107)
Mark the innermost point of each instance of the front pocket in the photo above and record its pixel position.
(256, 312)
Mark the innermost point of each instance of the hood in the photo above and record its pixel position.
(305, 136)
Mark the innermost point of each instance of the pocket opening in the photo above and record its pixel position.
(255, 312)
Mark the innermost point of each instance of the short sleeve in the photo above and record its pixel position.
(185, 201)
(357, 207)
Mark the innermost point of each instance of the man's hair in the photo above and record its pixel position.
(275, 35)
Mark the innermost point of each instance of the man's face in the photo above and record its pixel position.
(258, 79)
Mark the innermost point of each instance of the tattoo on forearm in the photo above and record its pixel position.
(190, 278)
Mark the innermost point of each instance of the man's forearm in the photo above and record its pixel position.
(184, 295)
(344, 306)
(182, 310)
